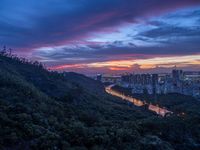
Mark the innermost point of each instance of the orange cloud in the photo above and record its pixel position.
(127, 65)
(68, 66)
(119, 68)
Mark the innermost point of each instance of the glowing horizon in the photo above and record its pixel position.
(127, 65)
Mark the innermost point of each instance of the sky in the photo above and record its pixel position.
(104, 36)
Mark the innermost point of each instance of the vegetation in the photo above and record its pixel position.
(40, 109)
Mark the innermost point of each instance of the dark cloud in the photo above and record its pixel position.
(35, 24)
(194, 13)
(170, 31)
(28, 26)
(89, 54)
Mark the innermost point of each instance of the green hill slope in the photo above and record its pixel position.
(46, 110)
(40, 109)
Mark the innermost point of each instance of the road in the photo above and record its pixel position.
(155, 108)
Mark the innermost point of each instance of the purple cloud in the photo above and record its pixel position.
(48, 23)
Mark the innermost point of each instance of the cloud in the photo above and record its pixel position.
(113, 51)
(170, 31)
(26, 25)
(59, 32)
(191, 13)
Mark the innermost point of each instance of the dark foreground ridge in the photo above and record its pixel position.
(49, 110)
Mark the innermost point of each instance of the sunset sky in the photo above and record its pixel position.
(104, 36)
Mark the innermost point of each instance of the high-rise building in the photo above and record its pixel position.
(154, 79)
(177, 75)
(99, 77)
(154, 82)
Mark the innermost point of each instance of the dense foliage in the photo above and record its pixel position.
(40, 109)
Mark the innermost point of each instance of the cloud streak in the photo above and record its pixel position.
(55, 23)
(72, 34)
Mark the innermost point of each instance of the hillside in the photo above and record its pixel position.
(40, 109)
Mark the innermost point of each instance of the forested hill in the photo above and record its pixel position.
(40, 109)
(51, 83)
(49, 110)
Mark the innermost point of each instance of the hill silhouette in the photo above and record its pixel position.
(41, 109)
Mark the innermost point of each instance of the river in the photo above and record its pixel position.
(155, 108)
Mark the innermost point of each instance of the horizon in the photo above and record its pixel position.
(114, 37)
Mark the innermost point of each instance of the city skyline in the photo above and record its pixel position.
(178, 81)
(91, 37)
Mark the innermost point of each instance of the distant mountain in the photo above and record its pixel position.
(40, 109)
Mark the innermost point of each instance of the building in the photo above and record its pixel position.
(178, 81)
(177, 75)
(99, 77)
(111, 78)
